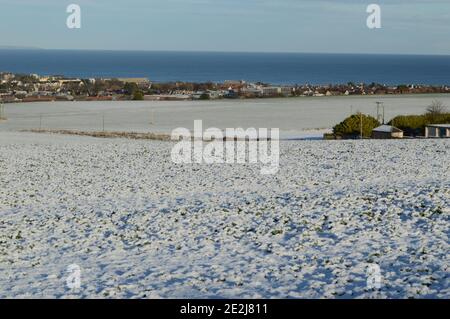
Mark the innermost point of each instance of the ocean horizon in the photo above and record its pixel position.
(190, 66)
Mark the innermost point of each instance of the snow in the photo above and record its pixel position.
(140, 226)
(295, 117)
(386, 129)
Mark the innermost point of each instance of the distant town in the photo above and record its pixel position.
(35, 88)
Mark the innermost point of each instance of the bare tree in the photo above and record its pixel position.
(436, 108)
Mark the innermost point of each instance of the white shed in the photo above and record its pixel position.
(387, 132)
(437, 130)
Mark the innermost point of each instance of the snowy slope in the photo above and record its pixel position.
(142, 227)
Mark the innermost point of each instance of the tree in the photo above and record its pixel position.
(351, 126)
(130, 88)
(99, 86)
(204, 96)
(435, 111)
(138, 96)
(414, 125)
(436, 108)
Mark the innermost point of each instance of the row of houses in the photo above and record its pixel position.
(261, 91)
(32, 87)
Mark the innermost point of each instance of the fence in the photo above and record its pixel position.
(80, 121)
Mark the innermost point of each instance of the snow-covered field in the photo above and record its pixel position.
(140, 226)
(295, 117)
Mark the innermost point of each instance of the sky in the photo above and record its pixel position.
(325, 26)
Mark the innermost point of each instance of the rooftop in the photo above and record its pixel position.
(439, 125)
(387, 129)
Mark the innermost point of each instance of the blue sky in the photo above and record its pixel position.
(338, 26)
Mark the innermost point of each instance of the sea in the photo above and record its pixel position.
(274, 68)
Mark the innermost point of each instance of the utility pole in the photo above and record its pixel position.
(103, 122)
(40, 122)
(380, 115)
(361, 124)
(152, 118)
(2, 111)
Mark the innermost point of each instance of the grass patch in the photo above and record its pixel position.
(128, 135)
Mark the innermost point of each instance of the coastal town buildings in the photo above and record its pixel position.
(34, 87)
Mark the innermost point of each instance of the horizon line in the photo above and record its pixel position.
(21, 48)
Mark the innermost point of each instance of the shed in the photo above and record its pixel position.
(387, 132)
(437, 130)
